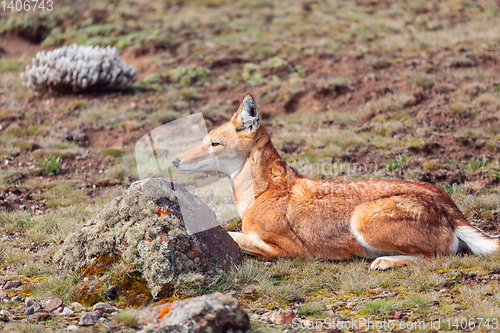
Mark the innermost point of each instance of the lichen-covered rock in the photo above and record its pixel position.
(73, 69)
(215, 313)
(145, 227)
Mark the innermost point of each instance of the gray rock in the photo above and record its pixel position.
(66, 311)
(29, 311)
(5, 315)
(72, 328)
(58, 310)
(36, 307)
(104, 307)
(254, 317)
(88, 319)
(209, 313)
(12, 284)
(282, 317)
(76, 305)
(54, 304)
(29, 301)
(103, 320)
(163, 250)
(3, 294)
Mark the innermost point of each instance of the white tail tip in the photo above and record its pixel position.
(477, 241)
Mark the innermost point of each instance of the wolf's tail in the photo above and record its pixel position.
(476, 240)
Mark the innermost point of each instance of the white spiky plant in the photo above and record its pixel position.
(74, 69)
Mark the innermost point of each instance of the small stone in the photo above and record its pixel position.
(254, 317)
(282, 317)
(66, 310)
(22, 207)
(29, 311)
(17, 299)
(53, 304)
(29, 301)
(350, 305)
(398, 315)
(5, 315)
(87, 319)
(72, 328)
(3, 294)
(104, 307)
(58, 310)
(76, 305)
(330, 313)
(12, 284)
(103, 320)
(36, 307)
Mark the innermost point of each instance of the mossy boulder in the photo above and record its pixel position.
(142, 235)
(208, 313)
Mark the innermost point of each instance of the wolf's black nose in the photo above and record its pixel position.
(176, 162)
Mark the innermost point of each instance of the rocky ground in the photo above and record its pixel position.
(349, 90)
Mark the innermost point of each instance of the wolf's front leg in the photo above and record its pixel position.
(252, 244)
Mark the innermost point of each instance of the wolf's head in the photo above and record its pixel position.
(226, 148)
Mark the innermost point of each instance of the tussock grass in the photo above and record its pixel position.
(26, 328)
(379, 307)
(418, 302)
(61, 285)
(478, 203)
(124, 169)
(127, 317)
(355, 277)
(311, 309)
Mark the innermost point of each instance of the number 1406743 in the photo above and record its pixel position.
(27, 5)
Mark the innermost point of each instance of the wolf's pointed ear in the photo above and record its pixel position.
(247, 118)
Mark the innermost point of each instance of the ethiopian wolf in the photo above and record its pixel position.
(285, 214)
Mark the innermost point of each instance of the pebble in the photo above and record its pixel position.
(3, 294)
(350, 305)
(29, 311)
(104, 307)
(66, 311)
(282, 317)
(76, 305)
(254, 317)
(72, 328)
(88, 319)
(58, 310)
(12, 284)
(29, 301)
(17, 299)
(36, 307)
(53, 304)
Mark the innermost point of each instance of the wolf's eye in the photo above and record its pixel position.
(215, 144)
